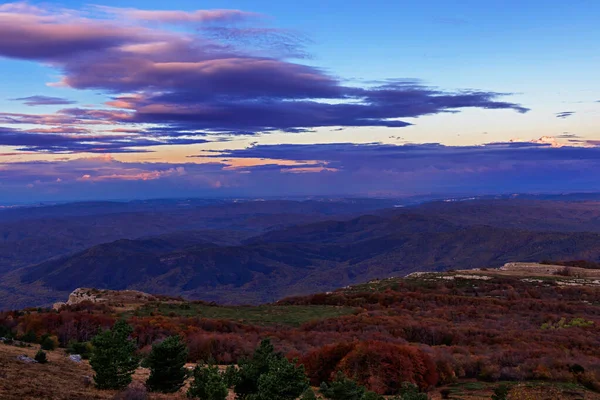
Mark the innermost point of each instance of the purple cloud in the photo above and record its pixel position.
(317, 169)
(210, 82)
(43, 100)
(66, 142)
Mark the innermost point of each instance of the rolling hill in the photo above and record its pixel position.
(300, 259)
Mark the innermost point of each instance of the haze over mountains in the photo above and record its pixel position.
(261, 251)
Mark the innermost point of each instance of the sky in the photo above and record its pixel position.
(142, 99)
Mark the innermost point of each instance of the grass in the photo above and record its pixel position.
(527, 390)
(256, 315)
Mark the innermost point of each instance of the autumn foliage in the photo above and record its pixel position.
(419, 331)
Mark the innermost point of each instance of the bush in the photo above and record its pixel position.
(309, 394)
(342, 388)
(230, 377)
(113, 358)
(269, 376)
(208, 384)
(84, 349)
(501, 392)
(40, 357)
(383, 367)
(49, 342)
(410, 391)
(283, 381)
(29, 337)
(167, 365)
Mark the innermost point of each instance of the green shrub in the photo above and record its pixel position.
(283, 381)
(29, 337)
(269, 376)
(501, 392)
(40, 357)
(208, 384)
(84, 349)
(49, 342)
(167, 365)
(309, 394)
(342, 388)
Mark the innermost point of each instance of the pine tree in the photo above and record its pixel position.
(309, 394)
(251, 369)
(167, 365)
(283, 381)
(208, 384)
(269, 376)
(113, 358)
(342, 388)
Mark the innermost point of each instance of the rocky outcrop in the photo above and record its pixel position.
(112, 297)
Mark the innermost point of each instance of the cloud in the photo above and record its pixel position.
(60, 140)
(176, 17)
(208, 80)
(316, 169)
(43, 100)
(564, 114)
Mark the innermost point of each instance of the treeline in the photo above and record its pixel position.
(424, 332)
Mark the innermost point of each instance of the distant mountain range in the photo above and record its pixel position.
(255, 252)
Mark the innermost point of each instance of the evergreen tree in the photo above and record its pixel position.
(283, 381)
(167, 365)
(113, 358)
(309, 394)
(230, 377)
(342, 388)
(269, 376)
(208, 384)
(251, 369)
(372, 396)
(410, 391)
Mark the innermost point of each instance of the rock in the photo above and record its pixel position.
(26, 359)
(75, 357)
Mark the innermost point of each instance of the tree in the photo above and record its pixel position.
(29, 337)
(372, 396)
(49, 342)
(113, 358)
(230, 376)
(309, 394)
(40, 357)
(208, 384)
(410, 391)
(269, 376)
(167, 365)
(342, 388)
(251, 369)
(283, 381)
(501, 392)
